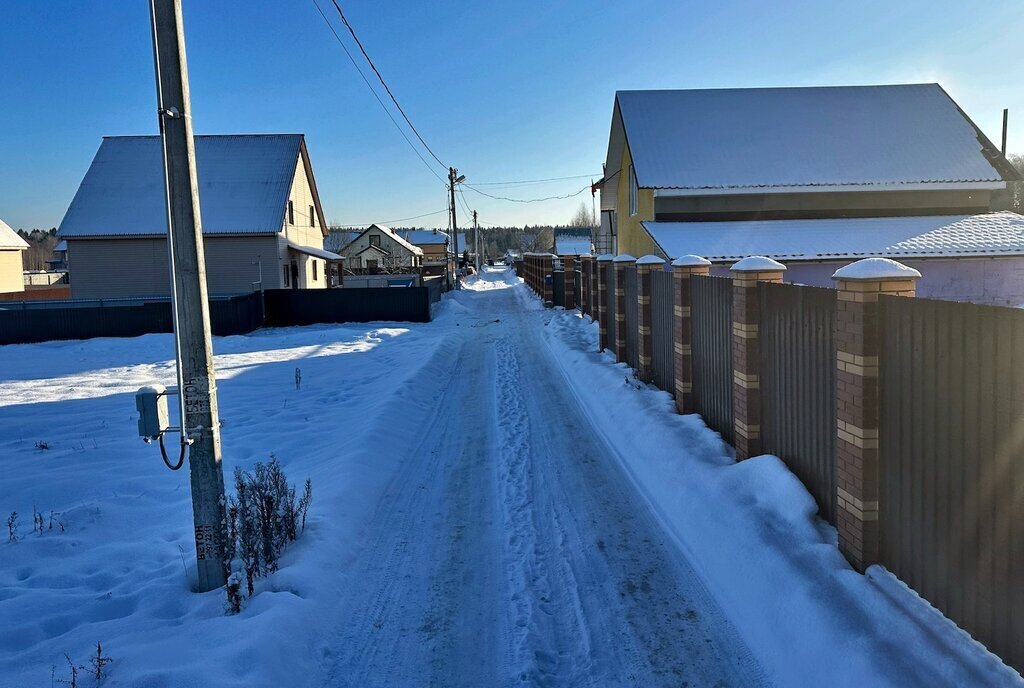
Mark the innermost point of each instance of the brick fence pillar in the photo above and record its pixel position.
(746, 350)
(546, 278)
(586, 263)
(603, 288)
(857, 348)
(569, 266)
(621, 262)
(645, 266)
(683, 268)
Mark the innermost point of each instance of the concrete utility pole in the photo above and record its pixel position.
(453, 179)
(197, 388)
(476, 242)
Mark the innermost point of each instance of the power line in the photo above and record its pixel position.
(537, 181)
(375, 95)
(528, 200)
(389, 222)
(384, 83)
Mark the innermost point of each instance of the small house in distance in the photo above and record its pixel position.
(260, 211)
(380, 250)
(816, 178)
(437, 259)
(12, 249)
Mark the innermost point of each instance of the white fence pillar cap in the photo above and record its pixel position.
(624, 258)
(757, 264)
(876, 269)
(606, 257)
(690, 261)
(650, 260)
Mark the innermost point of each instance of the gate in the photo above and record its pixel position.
(578, 289)
(632, 332)
(798, 385)
(711, 320)
(663, 331)
(951, 500)
(558, 288)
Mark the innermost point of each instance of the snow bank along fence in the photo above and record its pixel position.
(27, 322)
(904, 417)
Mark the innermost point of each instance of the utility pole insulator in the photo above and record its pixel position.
(200, 425)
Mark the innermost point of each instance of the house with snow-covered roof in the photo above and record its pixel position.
(12, 250)
(572, 241)
(437, 258)
(816, 177)
(379, 249)
(259, 207)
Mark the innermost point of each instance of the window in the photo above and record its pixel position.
(291, 213)
(371, 265)
(315, 271)
(375, 240)
(286, 275)
(633, 191)
(312, 216)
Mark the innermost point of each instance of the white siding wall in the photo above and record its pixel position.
(406, 257)
(11, 271)
(110, 268)
(303, 232)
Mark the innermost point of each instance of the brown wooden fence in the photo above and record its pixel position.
(798, 385)
(952, 475)
(712, 353)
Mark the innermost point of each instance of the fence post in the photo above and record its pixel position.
(601, 264)
(621, 262)
(645, 344)
(746, 350)
(683, 268)
(569, 267)
(546, 269)
(858, 334)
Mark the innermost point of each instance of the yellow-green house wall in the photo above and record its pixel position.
(633, 239)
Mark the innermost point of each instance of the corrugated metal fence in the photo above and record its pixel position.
(558, 288)
(632, 333)
(798, 385)
(663, 330)
(952, 475)
(712, 352)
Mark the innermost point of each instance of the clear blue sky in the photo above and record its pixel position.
(504, 91)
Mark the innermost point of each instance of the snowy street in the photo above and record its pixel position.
(514, 547)
(494, 504)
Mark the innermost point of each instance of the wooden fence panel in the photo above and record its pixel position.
(951, 476)
(711, 318)
(798, 385)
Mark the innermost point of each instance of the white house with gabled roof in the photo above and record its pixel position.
(12, 250)
(260, 211)
(379, 249)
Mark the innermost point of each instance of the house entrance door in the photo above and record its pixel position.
(295, 275)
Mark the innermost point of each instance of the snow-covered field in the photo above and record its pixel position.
(493, 504)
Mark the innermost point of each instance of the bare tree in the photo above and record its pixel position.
(584, 217)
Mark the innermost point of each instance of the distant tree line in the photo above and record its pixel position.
(40, 247)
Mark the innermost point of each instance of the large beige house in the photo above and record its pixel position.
(12, 248)
(261, 217)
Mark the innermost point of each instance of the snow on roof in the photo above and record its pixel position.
(425, 237)
(875, 269)
(570, 245)
(9, 238)
(798, 137)
(338, 238)
(244, 183)
(999, 233)
(313, 251)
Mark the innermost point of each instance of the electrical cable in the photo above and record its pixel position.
(384, 83)
(167, 461)
(389, 222)
(528, 200)
(537, 181)
(375, 95)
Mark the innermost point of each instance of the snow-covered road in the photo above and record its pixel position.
(513, 549)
